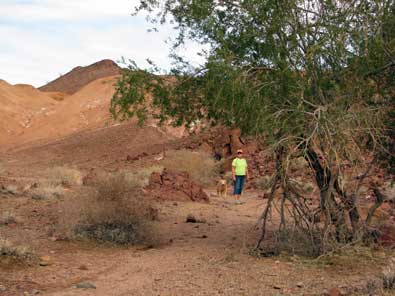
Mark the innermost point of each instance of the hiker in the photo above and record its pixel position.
(239, 174)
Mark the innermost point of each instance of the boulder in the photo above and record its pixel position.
(170, 185)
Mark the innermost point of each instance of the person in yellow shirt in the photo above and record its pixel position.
(239, 174)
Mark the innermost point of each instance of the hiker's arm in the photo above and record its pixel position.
(233, 173)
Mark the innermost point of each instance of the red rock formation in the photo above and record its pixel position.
(173, 185)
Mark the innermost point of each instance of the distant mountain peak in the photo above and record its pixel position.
(80, 76)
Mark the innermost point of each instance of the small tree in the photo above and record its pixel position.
(310, 76)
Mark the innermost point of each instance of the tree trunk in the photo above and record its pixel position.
(326, 182)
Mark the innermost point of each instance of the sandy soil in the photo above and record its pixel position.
(210, 258)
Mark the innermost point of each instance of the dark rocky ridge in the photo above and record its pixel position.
(77, 78)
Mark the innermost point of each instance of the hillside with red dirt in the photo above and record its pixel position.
(28, 115)
(77, 78)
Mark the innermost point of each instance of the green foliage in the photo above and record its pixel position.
(297, 72)
(315, 78)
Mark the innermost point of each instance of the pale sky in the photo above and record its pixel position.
(42, 39)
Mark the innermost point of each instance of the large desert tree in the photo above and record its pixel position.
(311, 77)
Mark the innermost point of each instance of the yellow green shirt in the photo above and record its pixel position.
(240, 165)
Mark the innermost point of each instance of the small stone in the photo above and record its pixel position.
(277, 262)
(299, 285)
(85, 285)
(2, 288)
(45, 261)
(335, 292)
(191, 219)
(277, 287)
(35, 292)
(83, 267)
(37, 197)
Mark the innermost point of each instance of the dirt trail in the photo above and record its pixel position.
(192, 259)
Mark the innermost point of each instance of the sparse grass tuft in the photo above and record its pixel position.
(10, 189)
(199, 165)
(371, 287)
(141, 176)
(67, 176)
(228, 177)
(48, 192)
(8, 251)
(263, 183)
(388, 276)
(113, 212)
(7, 218)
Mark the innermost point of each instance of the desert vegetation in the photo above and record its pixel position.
(11, 253)
(312, 79)
(141, 175)
(66, 176)
(199, 165)
(7, 217)
(114, 211)
(304, 87)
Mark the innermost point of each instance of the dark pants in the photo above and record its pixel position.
(239, 183)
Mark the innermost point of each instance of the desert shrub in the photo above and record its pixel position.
(10, 189)
(47, 192)
(298, 164)
(7, 217)
(263, 183)
(9, 251)
(199, 165)
(370, 287)
(141, 175)
(67, 176)
(112, 212)
(296, 241)
(389, 276)
(228, 177)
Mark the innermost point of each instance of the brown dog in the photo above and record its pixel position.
(222, 188)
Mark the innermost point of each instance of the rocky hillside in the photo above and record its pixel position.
(77, 78)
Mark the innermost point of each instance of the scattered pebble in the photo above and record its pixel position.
(85, 285)
(45, 261)
(335, 292)
(299, 285)
(191, 219)
(83, 267)
(277, 287)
